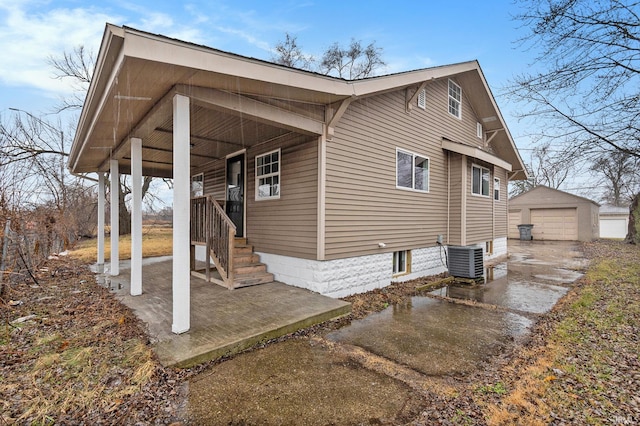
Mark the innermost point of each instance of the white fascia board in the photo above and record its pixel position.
(394, 81)
(156, 48)
(93, 106)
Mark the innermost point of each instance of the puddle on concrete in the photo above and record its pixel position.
(513, 290)
(296, 382)
(435, 337)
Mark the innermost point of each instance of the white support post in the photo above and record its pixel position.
(136, 217)
(101, 202)
(181, 284)
(115, 223)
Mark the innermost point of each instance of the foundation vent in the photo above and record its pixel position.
(465, 261)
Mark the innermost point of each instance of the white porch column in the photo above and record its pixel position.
(115, 224)
(136, 217)
(181, 204)
(101, 201)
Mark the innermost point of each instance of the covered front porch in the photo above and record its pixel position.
(162, 108)
(223, 322)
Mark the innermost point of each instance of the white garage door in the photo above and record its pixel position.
(613, 228)
(515, 219)
(554, 224)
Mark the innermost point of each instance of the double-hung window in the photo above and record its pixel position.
(455, 100)
(479, 180)
(412, 171)
(496, 189)
(268, 175)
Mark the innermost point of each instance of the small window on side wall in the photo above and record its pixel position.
(268, 175)
(455, 100)
(401, 262)
(479, 130)
(197, 185)
(496, 189)
(412, 171)
(479, 181)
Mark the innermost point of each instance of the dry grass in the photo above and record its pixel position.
(156, 241)
(571, 373)
(83, 355)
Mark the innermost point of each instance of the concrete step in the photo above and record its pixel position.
(243, 280)
(249, 268)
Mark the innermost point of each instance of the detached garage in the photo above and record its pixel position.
(614, 222)
(555, 215)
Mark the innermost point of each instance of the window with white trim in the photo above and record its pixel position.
(479, 180)
(422, 99)
(496, 189)
(401, 260)
(455, 99)
(268, 175)
(197, 185)
(412, 171)
(479, 130)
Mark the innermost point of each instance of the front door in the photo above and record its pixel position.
(234, 205)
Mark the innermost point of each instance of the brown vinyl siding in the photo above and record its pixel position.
(455, 201)
(214, 179)
(363, 205)
(288, 225)
(479, 209)
(500, 210)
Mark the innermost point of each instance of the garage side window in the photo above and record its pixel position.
(480, 180)
(412, 171)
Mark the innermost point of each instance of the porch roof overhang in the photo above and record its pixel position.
(236, 102)
(475, 152)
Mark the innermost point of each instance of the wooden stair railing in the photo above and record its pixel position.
(211, 226)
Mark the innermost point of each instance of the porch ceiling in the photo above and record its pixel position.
(138, 104)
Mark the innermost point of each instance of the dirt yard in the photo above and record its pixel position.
(71, 354)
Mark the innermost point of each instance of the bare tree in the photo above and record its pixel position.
(289, 53)
(590, 84)
(36, 151)
(586, 83)
(77, 67)
(350, 62)
(547, 167)
(620, 173)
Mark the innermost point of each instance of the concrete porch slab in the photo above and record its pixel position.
(223, 321)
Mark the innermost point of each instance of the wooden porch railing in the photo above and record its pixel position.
(211, 226)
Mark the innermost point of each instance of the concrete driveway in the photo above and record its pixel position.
(389, 363)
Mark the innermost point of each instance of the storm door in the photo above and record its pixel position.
(234, 205)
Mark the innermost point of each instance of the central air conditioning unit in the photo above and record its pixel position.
(465, 261)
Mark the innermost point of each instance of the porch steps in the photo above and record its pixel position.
(247, 268)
